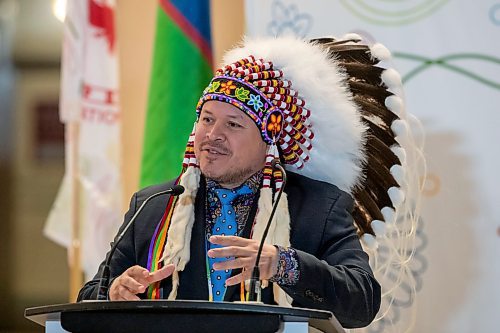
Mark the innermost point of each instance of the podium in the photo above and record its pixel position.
(180, 317)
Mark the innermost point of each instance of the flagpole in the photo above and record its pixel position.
(75, 267)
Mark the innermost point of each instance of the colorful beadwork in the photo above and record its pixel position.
(248, 99)
(258, 89)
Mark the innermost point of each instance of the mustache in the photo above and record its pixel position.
(215, 145)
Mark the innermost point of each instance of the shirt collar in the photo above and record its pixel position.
(253, 182)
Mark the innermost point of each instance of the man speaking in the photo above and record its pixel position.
(275, 101)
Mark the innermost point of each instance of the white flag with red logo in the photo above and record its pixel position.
(89, 96)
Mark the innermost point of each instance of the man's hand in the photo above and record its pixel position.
(243, 253)
(134, 281)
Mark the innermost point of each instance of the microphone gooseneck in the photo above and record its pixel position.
(102, 291)
(254, 293)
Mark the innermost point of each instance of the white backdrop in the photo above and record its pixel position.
(448, 53)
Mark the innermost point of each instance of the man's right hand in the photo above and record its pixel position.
(134, 281)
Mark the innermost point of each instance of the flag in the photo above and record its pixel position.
(182, 68)
(89, 98)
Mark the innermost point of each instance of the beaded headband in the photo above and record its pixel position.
(259, 90)
(248, 99)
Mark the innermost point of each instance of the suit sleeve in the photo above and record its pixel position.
(338, 278)
(123, 258)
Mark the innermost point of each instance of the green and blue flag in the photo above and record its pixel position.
(182, 68)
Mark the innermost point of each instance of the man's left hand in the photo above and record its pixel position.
(243, 253)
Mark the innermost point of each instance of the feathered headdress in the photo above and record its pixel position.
(324, 108)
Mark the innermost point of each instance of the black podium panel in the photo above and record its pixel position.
(88, 322)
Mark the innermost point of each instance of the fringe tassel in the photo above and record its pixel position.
(265, 206)
(281, 236)
(177, 247)
(281, 297)
(175, 286)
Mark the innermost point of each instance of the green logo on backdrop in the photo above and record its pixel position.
(451, 63)
(392, 12)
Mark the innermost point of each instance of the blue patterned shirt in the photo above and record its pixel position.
(288, 264)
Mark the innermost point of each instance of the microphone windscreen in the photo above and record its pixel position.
(177, 190)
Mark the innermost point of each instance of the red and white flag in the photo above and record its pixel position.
(89, 96)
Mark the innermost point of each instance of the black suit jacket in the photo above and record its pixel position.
(334, 270)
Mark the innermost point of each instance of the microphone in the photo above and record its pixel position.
(254, 294)
(102, 291)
